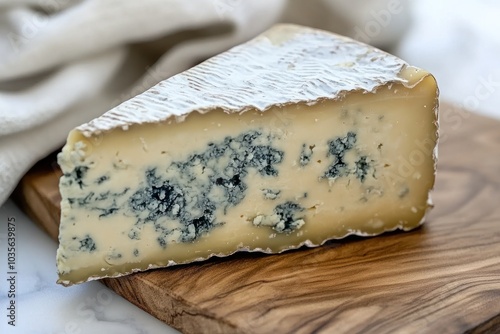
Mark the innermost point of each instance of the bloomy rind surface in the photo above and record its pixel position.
(279, 67)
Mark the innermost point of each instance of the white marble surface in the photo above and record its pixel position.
(44, 307)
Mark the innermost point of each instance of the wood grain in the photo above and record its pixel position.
(441, 278)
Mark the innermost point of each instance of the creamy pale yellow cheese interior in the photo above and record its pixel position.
(396, 130)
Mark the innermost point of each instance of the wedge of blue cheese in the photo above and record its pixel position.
(294, 138)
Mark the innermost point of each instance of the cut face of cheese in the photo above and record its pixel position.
(295, 138)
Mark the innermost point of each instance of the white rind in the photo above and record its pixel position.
(279, 67)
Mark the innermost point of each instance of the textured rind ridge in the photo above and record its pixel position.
(306, 243)
(279, 67)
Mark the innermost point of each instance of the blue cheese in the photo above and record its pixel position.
(295, 138)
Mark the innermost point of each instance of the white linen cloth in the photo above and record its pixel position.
(64, 62)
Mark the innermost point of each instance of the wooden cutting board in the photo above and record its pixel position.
(441, 278)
